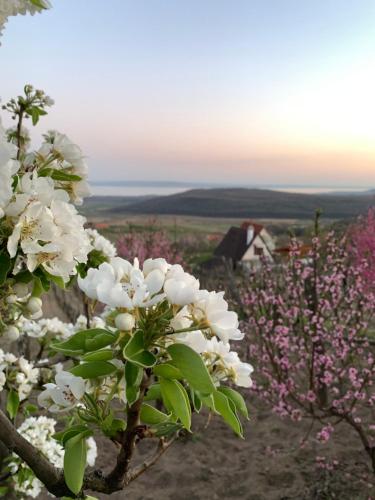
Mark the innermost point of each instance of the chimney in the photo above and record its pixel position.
(250, 234)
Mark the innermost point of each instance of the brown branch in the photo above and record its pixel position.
(117, 478)
(149, 462)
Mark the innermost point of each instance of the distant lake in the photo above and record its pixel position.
(99, 190)
(158, 189)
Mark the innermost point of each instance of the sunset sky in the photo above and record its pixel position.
(245, 91)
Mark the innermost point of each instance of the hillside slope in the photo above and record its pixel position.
(243, 203)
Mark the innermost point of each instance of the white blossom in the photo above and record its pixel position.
(8, 166)
(213, 309)
(121, 284)
(39, 432)
(225, 364)
(101, 244)
(92, 451)
(68, 157)
(26, 378)
(32, 189)
(64, 395)
(51, 236)
(180, 287)
(151, 264)
(19, 373)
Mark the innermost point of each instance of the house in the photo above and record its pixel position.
(246, 245)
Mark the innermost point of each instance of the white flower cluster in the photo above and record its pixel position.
(14, 7)
(46, 226)
(39, 432)
(101, 244)
(17, 374)
(17, 302)
(199, 315)
(55, 328)
(61, 154)
(8, 167)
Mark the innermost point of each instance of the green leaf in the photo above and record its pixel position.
(153, 393)
(167, 370)
(151, 416)
(13, 402)
(4, 490)
(196, 400)
(133, 378)
(29, 408)
(167, 429)
(192, 368)
(39, 3)
(111, 426)
(116, 426)
(135, 351)
(133, 374)
(38, 288)
(24, 277)
(175, 396)
(209, 402)
(236, 398)
(72, 431)
(75, 462)
(41, 111)
(60, 175)
(5, 265)
(85, 341)
(93, 369)
(102, 355)
(34, 115)
(45, 172)
(57, 280)
(98, 340)
(222, 405)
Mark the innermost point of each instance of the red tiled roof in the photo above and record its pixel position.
(257, 227)
(303, 251)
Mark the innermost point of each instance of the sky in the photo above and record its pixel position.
(255, 92)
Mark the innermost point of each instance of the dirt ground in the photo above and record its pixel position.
(268, 465)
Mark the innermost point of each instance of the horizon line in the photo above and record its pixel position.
(208, 184)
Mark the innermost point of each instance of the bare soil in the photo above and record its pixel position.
(268, 465)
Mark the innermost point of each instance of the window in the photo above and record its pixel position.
(258, 251)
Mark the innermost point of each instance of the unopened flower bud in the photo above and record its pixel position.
(11, 333)
(34, 305)
(125, 322)
(11, 299)
(21, 290)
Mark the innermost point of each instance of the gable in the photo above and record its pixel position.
(257, 250)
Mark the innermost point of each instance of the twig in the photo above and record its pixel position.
(149, 462)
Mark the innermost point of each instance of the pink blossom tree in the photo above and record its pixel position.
(362, 246)
(150, 243)
(310, 326)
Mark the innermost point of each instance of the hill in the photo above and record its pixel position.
(242, 203)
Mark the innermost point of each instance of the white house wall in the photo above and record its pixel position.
(267, 238)
(250, 256)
